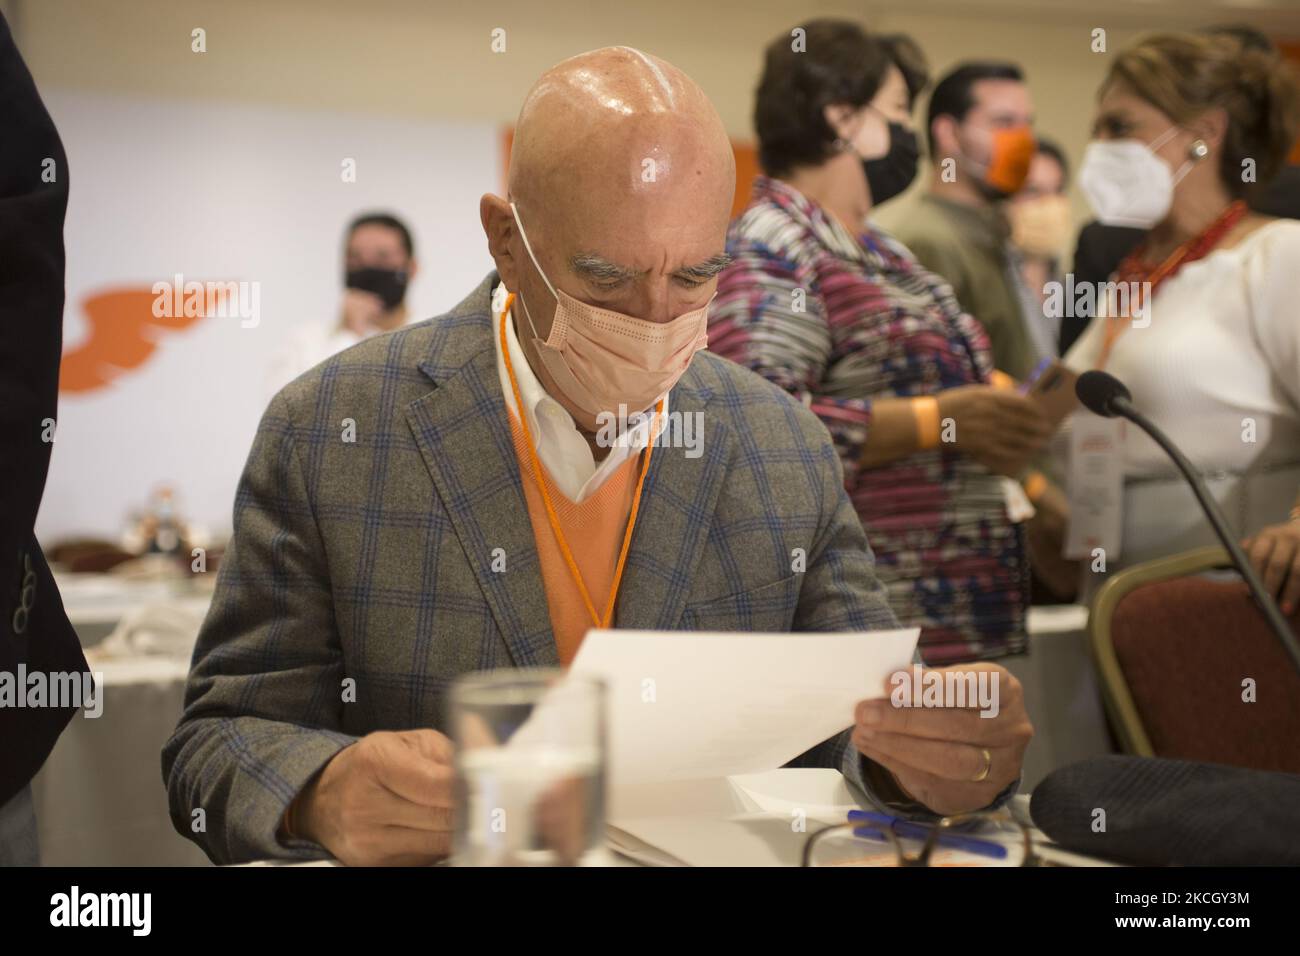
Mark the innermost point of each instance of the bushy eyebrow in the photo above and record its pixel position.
(703, 271)
(588, 265)
(597, 268)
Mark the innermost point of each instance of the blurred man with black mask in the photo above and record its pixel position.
(379, 264)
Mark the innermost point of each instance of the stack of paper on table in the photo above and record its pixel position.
(689, 710)
(746, 820)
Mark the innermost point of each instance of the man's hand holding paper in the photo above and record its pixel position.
(952, 759)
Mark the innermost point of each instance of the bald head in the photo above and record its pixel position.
(623, 176)
(614, 125)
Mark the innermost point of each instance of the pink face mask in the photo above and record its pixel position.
(602, 359)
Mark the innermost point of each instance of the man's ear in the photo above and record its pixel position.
(499, 227)
(943, 133)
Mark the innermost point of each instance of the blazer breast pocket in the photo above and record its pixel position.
(770, 607)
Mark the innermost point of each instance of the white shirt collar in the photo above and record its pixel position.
(562, 448)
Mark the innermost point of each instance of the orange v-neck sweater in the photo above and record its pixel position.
(594, 531)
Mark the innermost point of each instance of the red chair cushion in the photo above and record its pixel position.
(1186, 647)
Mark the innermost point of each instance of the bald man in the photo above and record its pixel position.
(479, 490)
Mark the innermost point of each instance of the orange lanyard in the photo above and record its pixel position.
(602, 622)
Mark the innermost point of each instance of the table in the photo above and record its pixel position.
(100, 798)
(1019, 808)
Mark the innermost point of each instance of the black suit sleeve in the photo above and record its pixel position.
(35, 636)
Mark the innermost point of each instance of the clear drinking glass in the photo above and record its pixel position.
(530, 768)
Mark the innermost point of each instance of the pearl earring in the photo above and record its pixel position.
(1199, 150)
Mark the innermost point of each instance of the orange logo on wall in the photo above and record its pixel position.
(124, 333)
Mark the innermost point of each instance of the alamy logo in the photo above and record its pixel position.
(1085, 300)
(945, 688)
(59, 689)
(676, 430)
(103, 909)
(242, 300)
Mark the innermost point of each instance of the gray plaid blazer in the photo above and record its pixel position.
(371, 559)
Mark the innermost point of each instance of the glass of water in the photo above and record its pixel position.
(530, 768)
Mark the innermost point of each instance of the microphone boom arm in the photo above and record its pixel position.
(1267, 605)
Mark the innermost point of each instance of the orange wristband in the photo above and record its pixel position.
(1035, 484)
(925, 411)
(1000, 379)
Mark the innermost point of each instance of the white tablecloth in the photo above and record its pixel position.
(99, 798)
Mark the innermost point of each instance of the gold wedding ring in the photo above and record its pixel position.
(988, 765)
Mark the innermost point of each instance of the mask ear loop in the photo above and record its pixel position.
(1163, 138)
(529, 316)
(524, 236)
(1198, 153)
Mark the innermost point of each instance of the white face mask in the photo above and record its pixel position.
(1126, 183)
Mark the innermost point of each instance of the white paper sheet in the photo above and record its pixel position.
(689, 705)
(748, 820)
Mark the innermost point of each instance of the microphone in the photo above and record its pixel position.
(1101, 393)
(1107, 396)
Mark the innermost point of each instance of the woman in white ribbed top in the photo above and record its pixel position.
(1218, 367)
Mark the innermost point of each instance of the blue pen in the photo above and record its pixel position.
(908, 829)
(1039, 369)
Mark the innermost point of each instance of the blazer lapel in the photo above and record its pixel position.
(676, 515)
(463, 434)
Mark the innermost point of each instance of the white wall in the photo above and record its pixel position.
(432, 57)
(231, 192)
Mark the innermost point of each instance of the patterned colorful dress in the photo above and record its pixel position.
(839, 322)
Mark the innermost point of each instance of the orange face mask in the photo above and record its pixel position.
(1013, 150)
(603, 360)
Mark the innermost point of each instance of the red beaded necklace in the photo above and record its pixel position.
(1144, 277)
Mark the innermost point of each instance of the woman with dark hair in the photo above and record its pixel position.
(1209, 345)
(831, 309)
